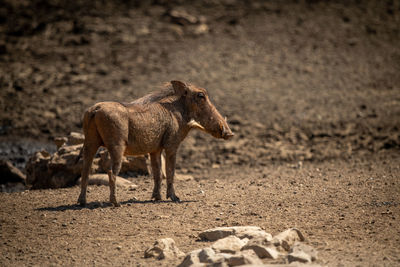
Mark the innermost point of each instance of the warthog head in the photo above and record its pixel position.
(201, 112)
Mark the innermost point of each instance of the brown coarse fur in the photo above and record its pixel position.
(149, 125)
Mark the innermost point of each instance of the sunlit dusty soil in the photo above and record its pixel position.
(349, 210)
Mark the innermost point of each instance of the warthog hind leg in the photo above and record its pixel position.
(116, 153)
(89, 150)
(156, 170)
(170, 172)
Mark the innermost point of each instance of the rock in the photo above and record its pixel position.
(208, 257)
(230, 244)
(264, 241)
(216, 233)
(183, 177)
(134, 164)
(37, 170)
(293, 264)
(176, 30)
(238, 231)
(75, 138)
(242, 258)
(300, 256)
(254, 244)
(302, 253)
(287, 238)
(252, 232)
(192, 259)
(262, 249)
(60, 141)
(204, 257)
(63, 162)
(102, 179)
(56, 171)
(206, 254)
(200, 29)
(66, 157)
(218, 264)
(195, 265)
(10, 174)
(182, 17)
(164, 248)
(218, 259)
(62, 168)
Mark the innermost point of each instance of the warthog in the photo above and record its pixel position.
(156, 122)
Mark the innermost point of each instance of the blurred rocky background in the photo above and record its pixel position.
(298, 80)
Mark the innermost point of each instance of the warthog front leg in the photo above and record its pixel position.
(170, 172)
(156, 170)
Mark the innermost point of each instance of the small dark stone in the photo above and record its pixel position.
(18, 87)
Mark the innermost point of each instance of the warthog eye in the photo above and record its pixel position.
(201, 95)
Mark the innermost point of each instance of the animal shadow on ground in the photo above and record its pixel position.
(97, 204)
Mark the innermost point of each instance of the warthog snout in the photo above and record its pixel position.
(226, 132)
(223, 130)
(215, 124)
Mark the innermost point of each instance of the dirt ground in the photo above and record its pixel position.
(310, 88)
(348, 209)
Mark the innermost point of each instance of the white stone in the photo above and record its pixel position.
(293, 264)
(206, 254)
(251, 232)
(204, 257)
(244, 257)
(299, 248)
(262, 251)
(164, 248)
(229, 244)
(217, 260)
(287, 238)
(192, 259)
(300, 256)
(216, 233)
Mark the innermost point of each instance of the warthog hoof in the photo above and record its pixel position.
(174, 198)
(114, 201)
(82, 201)
(116, 204)
(156, 196)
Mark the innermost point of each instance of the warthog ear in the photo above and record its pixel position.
(180, 88)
